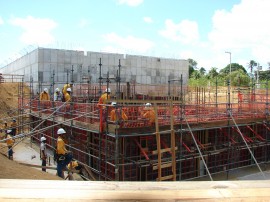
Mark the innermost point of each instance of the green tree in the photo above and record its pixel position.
(196, 74)
(234, 67)
(212, 73)
(239, 78)
(192, 66)
(202, 71)
(251, 65)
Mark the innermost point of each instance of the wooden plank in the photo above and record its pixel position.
(89, 172)
(158, 141)
(60, 190)
(166, 177)
(164, 165)
(164, 150)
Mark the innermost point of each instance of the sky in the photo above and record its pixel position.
(203, 30)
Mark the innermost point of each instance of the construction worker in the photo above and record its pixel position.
(66, 86)
(13, 127)
(67, 95)
(10, 143)
(149, 114)
(64, 156)
(43, 155)
(117, 115)
(101, 104)
(72, 167)
(57, 95)
(44, 96)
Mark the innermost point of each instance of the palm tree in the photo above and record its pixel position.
(213, 72)
(252, 64)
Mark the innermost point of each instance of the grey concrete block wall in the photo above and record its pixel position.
(141, 69)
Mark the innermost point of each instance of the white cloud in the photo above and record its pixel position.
(185, 32)
(147, 20)
(132, 3)
(139, 45)
(36, 30)
(83, 23)
(1, 21)
(244, 29)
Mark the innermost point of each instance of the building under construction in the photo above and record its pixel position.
(196, 132)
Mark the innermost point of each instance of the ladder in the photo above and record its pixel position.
(161, 164)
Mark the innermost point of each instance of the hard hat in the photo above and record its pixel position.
(57, 90)
(46, 90)
(42, 139)
(69, 90)
(61, 131)
(108, 90)
(114, 104)
(9, 131)
(148, 104)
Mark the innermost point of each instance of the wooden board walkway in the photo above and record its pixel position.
(42, 190)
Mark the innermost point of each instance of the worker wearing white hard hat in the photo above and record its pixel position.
(67, 95)
(118, 115)
(148, 113)
(104, 97)
(66, 86)
(64, 156)
(44, 96)
(43, 155)
(57, 95)
(10, 143)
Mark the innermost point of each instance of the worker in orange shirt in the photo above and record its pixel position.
(67, 95)
(66, 86)
(10, 143)
(118, 115)
(101, 104)
(44, 96)
(149, 114)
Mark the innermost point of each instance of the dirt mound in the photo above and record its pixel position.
(9, 108)
(9, 95)
(13, 170)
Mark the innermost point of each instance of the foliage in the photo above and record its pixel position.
(192, 66)
(238, 76)
(234, 67)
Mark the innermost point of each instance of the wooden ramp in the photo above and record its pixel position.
(43, 190)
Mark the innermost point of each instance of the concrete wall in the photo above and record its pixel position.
(42, 62)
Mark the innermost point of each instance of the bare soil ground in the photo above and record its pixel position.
(12, 169)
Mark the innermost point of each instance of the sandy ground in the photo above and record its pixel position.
(14, 170)
(27, 153)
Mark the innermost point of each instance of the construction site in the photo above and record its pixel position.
(196, 133)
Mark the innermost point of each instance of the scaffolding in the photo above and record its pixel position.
(196, 132)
